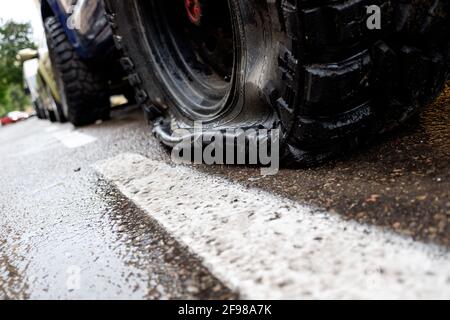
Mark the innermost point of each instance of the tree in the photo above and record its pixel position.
(13, 37)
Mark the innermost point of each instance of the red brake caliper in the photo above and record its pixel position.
(194, 11)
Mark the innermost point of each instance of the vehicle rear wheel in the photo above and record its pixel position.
(84, 93)
(313, 69)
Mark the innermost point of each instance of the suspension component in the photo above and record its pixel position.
(194, 11)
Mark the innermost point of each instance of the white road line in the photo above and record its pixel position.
(265, 246)
(52, 129)
(73, 139)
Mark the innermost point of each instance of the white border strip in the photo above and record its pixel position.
(267, 247)
(73, 139)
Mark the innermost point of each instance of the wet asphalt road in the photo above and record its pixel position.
(59, 219)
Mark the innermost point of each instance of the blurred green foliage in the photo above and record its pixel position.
(13, 37)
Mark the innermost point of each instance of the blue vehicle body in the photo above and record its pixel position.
(85, 24)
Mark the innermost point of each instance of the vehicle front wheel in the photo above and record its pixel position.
(316, 70)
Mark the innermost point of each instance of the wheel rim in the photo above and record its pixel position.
(193, 53)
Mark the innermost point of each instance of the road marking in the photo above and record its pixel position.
(73, 139)
(52, 129)
(268, 247)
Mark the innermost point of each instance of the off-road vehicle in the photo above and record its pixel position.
(40, 84)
